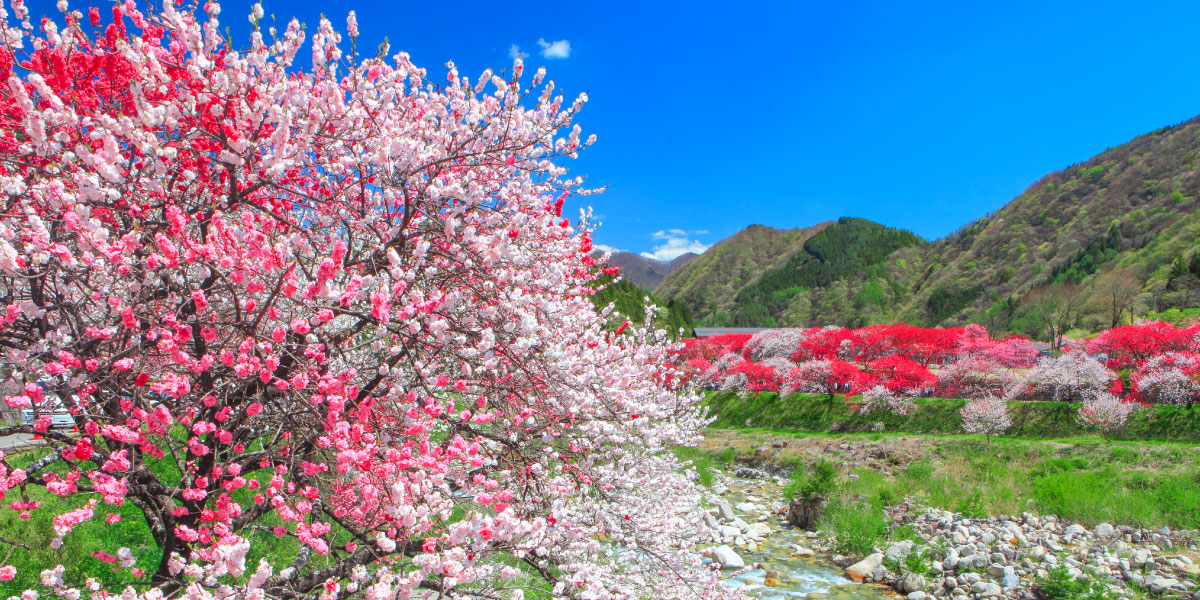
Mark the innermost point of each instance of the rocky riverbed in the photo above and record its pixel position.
(996, 557)
(759, 552)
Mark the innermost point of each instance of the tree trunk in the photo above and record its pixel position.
(803, 513)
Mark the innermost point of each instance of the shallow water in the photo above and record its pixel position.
(796, 576)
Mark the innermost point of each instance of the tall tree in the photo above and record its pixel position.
(1115, 294)
(1055, 309)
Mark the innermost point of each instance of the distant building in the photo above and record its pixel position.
(705, 332)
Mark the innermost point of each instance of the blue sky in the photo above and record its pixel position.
(714, 116)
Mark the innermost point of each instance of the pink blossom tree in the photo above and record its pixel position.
(987, 415)
(1169, 378)
(880, 398)
(338, 305)
(1105, 412)
(1070, 376)
(774, 343)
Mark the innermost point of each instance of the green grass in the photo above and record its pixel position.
(705, 463)
(76, 552)
(855, 526)
(1144, 484)
(1034, 420)
(1058, 585)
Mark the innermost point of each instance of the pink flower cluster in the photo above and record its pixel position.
(335, 303)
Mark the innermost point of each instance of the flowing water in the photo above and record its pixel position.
(791, 576)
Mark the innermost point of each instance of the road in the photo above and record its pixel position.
(17, 441)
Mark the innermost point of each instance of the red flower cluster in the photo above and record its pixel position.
(834, 359)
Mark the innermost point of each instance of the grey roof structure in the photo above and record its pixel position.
(703, 332)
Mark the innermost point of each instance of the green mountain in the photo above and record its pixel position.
(845, 249)
(645, 272)
(1127, 218)
(707, 284)
(630, 300)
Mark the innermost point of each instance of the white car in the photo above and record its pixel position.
(60, 417)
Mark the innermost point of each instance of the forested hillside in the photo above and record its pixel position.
(707, 284)
(645, 272)
(845, 249)
(630, 300)
(1084, 247)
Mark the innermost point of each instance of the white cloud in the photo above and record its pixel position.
(675, 242)
(559, 49)
(605, 248)
(514, 52)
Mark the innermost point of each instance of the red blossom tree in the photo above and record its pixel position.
(1130, 345)
(902, 375)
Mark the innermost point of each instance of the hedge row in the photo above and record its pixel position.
(817, 413)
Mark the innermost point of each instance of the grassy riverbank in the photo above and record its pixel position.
(816, 413)
(1147, 484)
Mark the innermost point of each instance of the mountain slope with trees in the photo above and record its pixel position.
(645, 272)
(844, 249)
(1084, 247)
(707, 284)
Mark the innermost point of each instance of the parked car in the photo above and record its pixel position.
(60, 417)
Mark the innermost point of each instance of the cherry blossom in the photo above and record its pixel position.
(988, 415)
(880, 398)
(1105, 412)
(1070, 375)
(337, 304)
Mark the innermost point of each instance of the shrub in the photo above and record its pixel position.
(856, 527)
(810, 483)
(1058, 585)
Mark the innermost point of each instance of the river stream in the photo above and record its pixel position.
(782, 572)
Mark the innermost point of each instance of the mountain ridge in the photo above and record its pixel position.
(1131, 209)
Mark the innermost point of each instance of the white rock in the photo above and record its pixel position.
(898, 550)
(861, 569)
(724, 511)
(727, 558)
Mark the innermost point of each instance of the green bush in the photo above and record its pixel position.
(1035, 420)
(811, 483)
(856, 527)
(1058, 585)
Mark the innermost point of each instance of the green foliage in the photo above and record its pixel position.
(628, 299)
(702, 462)
(850, 246)
(1091, 175)
(1176, 316)
(811, 483)
(856, 527)
(944, 302)
(972, 505)
(1031, 420)
(1083, 263)
(1058, 585)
